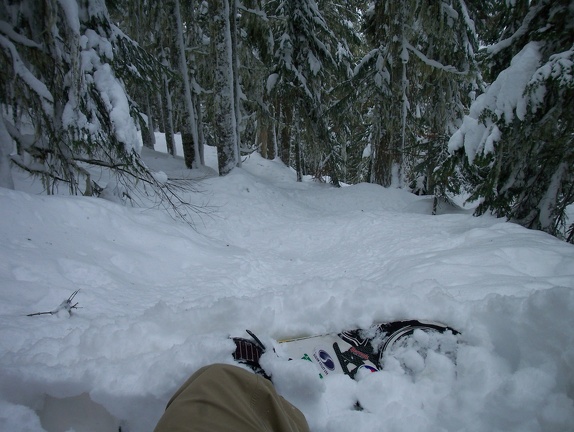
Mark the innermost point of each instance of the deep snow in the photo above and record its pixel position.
(159, 300)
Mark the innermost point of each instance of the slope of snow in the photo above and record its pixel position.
(158, 300)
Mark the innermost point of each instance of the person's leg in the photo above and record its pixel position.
(221, 398)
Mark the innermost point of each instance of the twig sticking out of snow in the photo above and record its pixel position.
(65, 305)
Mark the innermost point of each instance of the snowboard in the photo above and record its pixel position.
(356, 351)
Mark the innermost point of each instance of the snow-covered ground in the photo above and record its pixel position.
(158, 300)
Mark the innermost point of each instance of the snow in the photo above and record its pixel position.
(450, 12)
(533, 12)
(71, 12)
(506, 95)
(160, 177)
(558, 68)
(21, 70)
(314, 63)
(505, 100)
(116, 101)
(95, 49)
(271, 82)
(159, 299)
(432, 63)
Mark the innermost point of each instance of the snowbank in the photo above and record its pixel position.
(158, 300)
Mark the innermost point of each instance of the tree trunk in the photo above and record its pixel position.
(236, 84)
(189, 154)
(150, 122)
(200, 133)
(225, 117)
(286, 134)
(381, 156)
(161, 115)
(273, 126)
(169, 138)
(265, 137)
(189, 145)
(263, 140)
(297, 150)
(6, 147)
(404, 113)
(148, 135)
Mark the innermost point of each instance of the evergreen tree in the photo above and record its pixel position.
(171, 32)
(63, 103)
(515, 148)
(450, 78)
(343, 19)
(137, 19)
(422, 67)
(63, 65)
(301, 82)
(256, 53)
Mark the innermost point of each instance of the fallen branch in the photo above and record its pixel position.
(65, 305)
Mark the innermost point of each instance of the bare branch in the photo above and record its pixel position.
(65, 305)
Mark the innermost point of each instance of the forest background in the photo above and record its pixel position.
(444, 98)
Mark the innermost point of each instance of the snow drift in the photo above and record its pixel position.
(158, 300)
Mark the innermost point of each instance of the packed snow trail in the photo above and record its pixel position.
(158, 300)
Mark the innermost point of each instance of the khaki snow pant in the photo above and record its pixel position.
(221, 398)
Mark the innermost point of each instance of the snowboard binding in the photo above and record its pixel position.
(375, 344)
(354, 350)
(248, 352)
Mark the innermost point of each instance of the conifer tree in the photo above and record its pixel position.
(256, 54)
(422, 67)
(301, 80)
(63, 102)
(515, 148)
(63, 65)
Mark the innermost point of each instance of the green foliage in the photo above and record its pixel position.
(310, 60)
(64, 102)
(525, 172)
(340, 90)
(417, 76)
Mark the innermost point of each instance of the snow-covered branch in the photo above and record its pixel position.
(16, 37)
(433, 63)
(504, 101)
(522, 30)
(27, 76)
(257, 12)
